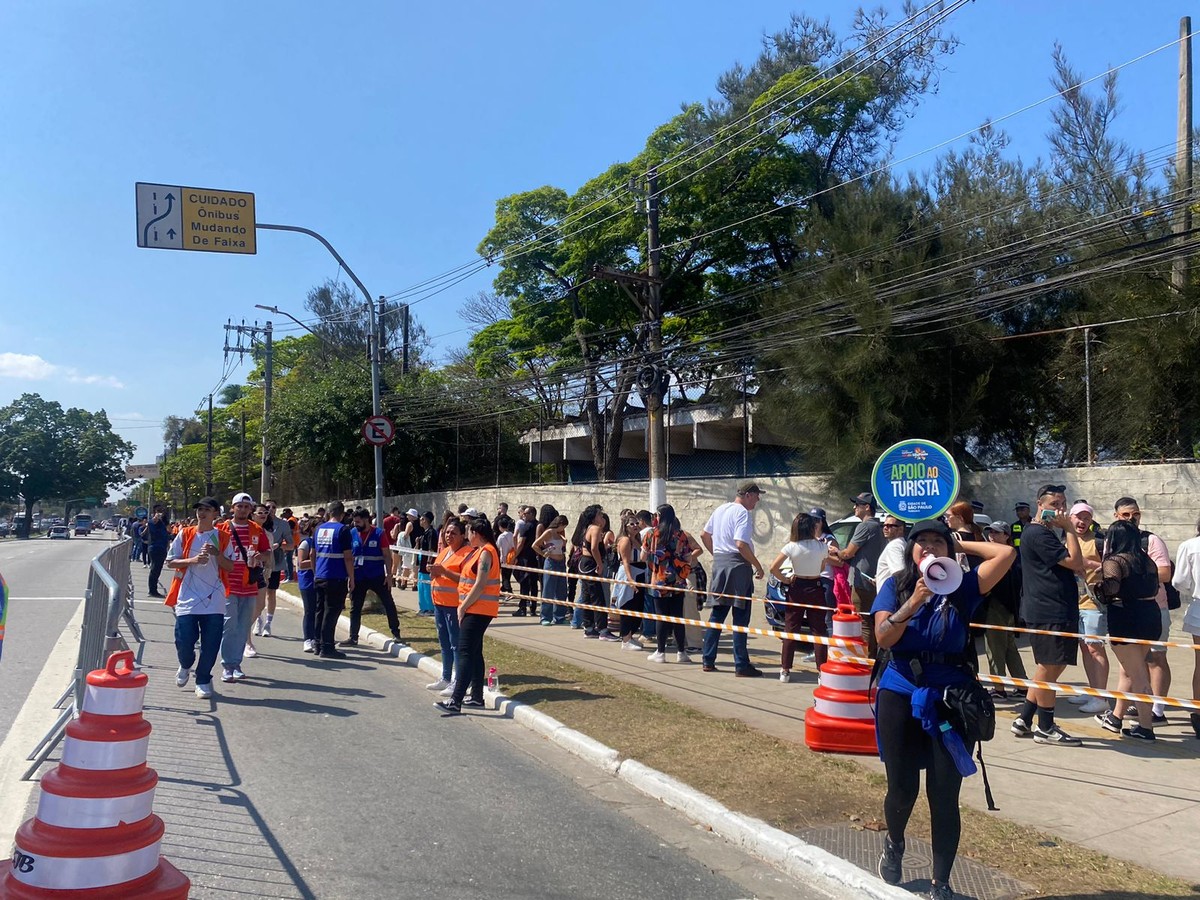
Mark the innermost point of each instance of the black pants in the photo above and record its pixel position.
(359, 596)
(594, 621)
(632, 624)
(331, 600)
(906, 749)
(157, 558)
(670, 603)
(468, 657)
(528, 582)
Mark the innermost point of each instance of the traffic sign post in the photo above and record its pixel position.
(170, 217)
(378, 431)
(915, 480)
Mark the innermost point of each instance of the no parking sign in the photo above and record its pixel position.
(915, 480)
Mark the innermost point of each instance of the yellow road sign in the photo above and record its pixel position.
(171, 217)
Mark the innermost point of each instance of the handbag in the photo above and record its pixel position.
(971, 711)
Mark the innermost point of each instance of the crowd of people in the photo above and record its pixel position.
(1077, 591)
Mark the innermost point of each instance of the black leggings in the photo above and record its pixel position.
(468, 657)
(906, 749)
(631, 624)
(670, 603)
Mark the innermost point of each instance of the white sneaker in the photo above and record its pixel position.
(657, 656)
(250, 652)
(227, 675)
(266, 629)
(258, 626)
(809, 658)
(310, 647)
(785, 677)
(238, 674)
(1093, 706)
(447, 691)
(632, 645)
(440, 685)
(182, 676)
(682, 657)
(204, 691)
(1078, 699)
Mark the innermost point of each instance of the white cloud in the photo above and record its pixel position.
(30, 367)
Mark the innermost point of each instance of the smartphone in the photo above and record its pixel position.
(1048, 514)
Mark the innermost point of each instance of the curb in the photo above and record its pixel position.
(797, 858)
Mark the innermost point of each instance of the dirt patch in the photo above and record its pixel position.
(778, 781)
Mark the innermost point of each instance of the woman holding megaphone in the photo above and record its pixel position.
(921, 616)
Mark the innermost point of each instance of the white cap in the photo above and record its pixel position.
(241, 498)
(413, 513)
(472, 513)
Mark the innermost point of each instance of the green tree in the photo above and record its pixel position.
(47, 452)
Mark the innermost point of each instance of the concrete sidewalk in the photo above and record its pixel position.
(1123, 798)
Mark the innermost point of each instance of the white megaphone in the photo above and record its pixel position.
(942, 574)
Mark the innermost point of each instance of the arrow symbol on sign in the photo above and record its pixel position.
(146, 230)
(171, 233)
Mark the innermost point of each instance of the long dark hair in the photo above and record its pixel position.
(581, 526)
(804, 527)
(546, 515)
(483, 528)
(1125, 537)
(668, 524)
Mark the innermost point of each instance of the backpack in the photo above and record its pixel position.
(1174, 600)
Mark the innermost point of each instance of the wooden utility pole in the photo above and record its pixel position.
(1183, 156)
(654, 396)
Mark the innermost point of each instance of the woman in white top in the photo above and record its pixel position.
(808, 555)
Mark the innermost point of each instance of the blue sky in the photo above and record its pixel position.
(392, 129)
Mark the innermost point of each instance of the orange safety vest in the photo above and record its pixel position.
(256, 530)
(189, 535)
(488, 602)
(444, 589)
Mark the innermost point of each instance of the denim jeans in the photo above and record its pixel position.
(207, 629)
(447, 629)
(741, 656)
(239, 613)
(649, 626)
(309, 597)
(554, 587)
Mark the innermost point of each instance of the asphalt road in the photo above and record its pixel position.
(314, 779)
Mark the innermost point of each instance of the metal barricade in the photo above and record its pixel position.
(106, 603)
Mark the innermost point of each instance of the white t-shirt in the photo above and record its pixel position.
(891, 560)
(202, 592)
(504, 543)
(808, 557)
(730, 522)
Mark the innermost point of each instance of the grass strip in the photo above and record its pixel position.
(778, 781)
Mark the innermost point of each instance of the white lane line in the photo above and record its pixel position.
(33, 721)
(44, 598)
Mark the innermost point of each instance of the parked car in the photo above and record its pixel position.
(59, 531)
(4, 529)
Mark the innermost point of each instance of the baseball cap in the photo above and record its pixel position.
(997, 526)
(935, 525)
(977, 505)
(817, 512)
(749, 487)
(1021, 504)
(243, 497)
(471, 513)
(865, 499)
(413, 513)
(209, 502)
(1082, 507)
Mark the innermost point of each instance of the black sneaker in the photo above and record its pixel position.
(591, 634)
(1141, 732)
(941, 892)
(1156, 719)
(474, 704)
(1020, 727)
(348, 643)
(1055, 735)
(332, 653)
(448, 707)
(891, 862)
(1194, 718)
(1109, 722)
(750, 672)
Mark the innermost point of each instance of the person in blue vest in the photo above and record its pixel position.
(334, 577)
(372, 562)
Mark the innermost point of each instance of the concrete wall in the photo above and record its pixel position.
(1169, 495)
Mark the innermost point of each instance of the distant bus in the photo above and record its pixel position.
(83, 524)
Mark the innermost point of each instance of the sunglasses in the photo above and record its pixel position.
(892, 525)
(1053, 489)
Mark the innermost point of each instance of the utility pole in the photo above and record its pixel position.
(404, 365)
(654, 397)
(1183, 156)
(242, 450)
(208, 482)
(253, 333)
(373, 345)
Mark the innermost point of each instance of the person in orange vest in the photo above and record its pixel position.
(199, 557)
(444, 574)
(479, 603)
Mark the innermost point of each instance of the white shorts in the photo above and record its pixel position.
(1191, 619)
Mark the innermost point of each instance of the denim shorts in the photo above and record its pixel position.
(1093, 621)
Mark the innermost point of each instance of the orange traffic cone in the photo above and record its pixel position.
(95, 834)
(841, 720)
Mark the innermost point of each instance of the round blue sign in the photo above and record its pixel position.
(915, 480)
(141, 512)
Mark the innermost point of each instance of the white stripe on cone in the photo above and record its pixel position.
(94, 812)
(103, 701)
(104, 754)
(80, 873)
(838, 710)
(845, 682)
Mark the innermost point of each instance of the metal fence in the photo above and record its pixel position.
(107, 602)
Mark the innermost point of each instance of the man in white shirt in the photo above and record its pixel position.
(729, 537)
(1187, 582)
(198, 554)
(891, 560)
